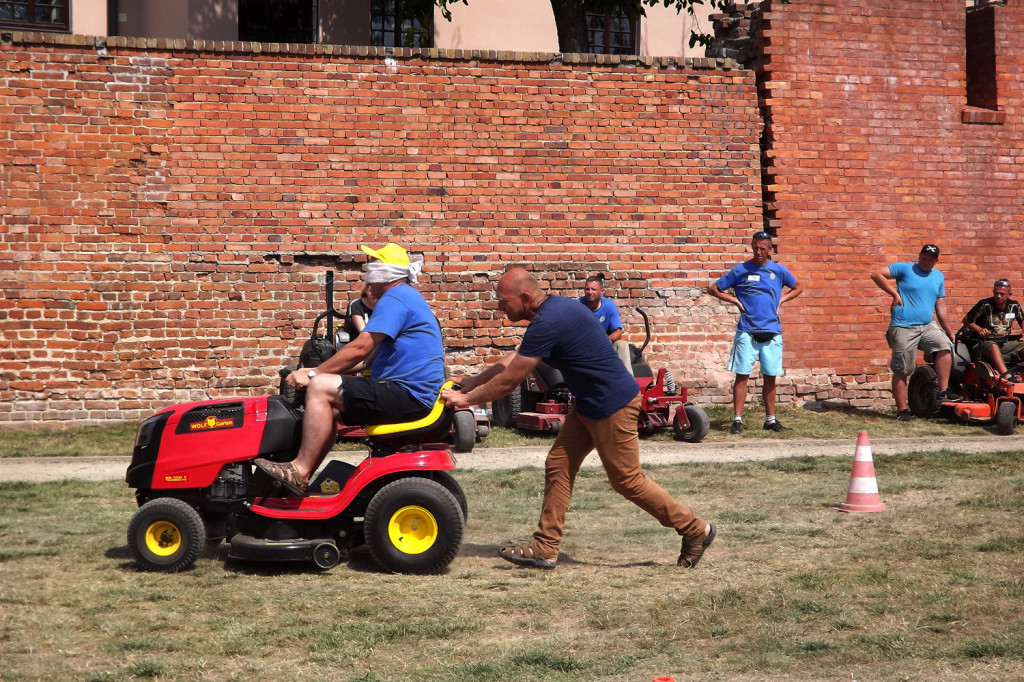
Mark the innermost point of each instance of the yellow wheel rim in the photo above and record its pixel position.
(163, 538)
(413, 530)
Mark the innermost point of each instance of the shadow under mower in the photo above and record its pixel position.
(541, 402)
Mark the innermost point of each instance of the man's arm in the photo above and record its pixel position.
(970, 321)
(348, 358)
(615, 335)
(498, 380)
(884, 280)
(796, 290)
(940, 313)
(725, 296)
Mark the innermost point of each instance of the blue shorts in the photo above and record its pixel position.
(745, 351)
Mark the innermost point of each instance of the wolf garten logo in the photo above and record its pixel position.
(212, 422)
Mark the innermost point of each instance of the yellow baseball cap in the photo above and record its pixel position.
(392, 254)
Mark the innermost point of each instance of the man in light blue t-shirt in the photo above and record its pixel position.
(607, 315)
(402, 345)
(757, 286)
(917, 291)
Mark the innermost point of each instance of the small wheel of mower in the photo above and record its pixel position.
(166, 535)
(700, 425)
(464, 438)
(1006, 418)
(413, 525)
(326, 555)
(923, 392)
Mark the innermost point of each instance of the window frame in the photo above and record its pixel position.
(608, 18)
(48, 26)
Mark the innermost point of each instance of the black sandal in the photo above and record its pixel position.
(285, 474)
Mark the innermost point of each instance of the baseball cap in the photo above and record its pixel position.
(930, 249)
(392, 254)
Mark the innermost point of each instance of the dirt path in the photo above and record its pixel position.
(39, 469)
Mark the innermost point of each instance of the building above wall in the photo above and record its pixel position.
(521, 26)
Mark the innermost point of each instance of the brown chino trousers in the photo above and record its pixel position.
(618, 446)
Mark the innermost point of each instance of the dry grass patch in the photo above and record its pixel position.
(930, 589)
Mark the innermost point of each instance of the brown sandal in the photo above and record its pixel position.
(285, 474)
(525, 556)
(693, 548)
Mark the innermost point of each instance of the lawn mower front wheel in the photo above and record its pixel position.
(166, 535)
(700, 425)
(1006, 418)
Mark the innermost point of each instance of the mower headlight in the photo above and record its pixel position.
(146, 431)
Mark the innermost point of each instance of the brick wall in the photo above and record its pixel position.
(868, 158)
(169, 208)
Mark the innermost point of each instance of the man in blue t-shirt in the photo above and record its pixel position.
(401, 343)
(917, 291)
(607, 314)
(757, 286)
(566, 336)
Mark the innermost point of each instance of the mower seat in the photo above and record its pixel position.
(433, 427)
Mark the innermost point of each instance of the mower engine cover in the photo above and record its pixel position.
(187, 445)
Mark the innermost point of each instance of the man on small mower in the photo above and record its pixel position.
(989, 323)
(604, 417)
(402, 340)
(607, 314)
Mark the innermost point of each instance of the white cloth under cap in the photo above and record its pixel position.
(384, 273)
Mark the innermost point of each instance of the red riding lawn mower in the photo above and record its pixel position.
(542, 401)
(986, 397)
(196, 484)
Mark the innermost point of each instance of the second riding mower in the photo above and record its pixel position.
(986, 397)
(542, 401)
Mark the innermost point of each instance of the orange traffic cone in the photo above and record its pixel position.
(863, 493)
(664, 678)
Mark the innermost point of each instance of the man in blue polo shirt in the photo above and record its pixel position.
(607, 314)
(566, 336)
(757, 286)
(918, 291)
(402, 344)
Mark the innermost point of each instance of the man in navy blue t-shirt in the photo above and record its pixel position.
(566, 336)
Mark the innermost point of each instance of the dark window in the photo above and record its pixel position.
(609, 33)
(982, 90)
(38, 15)
(402, 23)
(278, 21)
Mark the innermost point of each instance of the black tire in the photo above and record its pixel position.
(1006, 418)
(413, 525)
(700, 425)
(504, 410)
(923, 392)
(449, 482)
(166, 535)
(464, 437)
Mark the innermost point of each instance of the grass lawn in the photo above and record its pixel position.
(932, 588)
